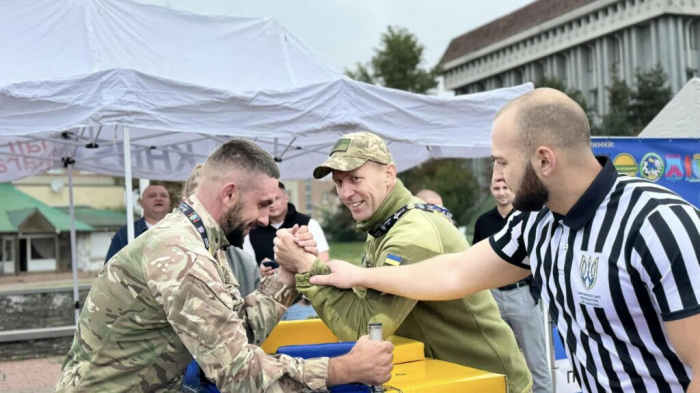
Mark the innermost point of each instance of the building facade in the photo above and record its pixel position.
(583, 43)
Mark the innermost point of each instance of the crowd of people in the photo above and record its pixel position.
(613, 259)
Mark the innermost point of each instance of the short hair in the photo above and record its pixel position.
(281, 186)
(192, 181)
(242, 155)
(156, 183)
(429, 195)
(549, 117)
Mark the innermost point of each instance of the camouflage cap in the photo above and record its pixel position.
(352, 151)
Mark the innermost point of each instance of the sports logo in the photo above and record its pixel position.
(651, 167)
(625, 163)
(589, 271)
(692, 168)
(674, 168)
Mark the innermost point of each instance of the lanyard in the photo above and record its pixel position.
(196, 221)
(389, 223)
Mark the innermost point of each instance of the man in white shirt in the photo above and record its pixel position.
(282, 215)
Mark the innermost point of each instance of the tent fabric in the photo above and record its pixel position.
(75, 72)
(175, 130)
(680, 118)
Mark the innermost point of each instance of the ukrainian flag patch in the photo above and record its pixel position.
(393, 260)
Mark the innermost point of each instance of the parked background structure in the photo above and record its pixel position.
(584, 43)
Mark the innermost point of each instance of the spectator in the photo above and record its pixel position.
(519, 302)
(430, 196)
(259, 245)
(282, 215)
(155, 202)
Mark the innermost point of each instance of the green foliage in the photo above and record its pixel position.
(629, 110)
(618, 121)
(452, 179)
(397, 64)
(347, 251)
(650, 97)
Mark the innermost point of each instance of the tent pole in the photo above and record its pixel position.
(73, 241)
(143, 184)
(128, 185)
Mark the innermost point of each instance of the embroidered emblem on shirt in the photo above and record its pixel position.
(589, 271)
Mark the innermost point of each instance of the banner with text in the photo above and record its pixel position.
(672, 163)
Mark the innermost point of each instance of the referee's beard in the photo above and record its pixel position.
(532, 193)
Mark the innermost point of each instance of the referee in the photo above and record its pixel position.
(616, 257)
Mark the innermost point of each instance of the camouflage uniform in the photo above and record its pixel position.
(164, 299)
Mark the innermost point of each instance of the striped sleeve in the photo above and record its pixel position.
(508, 242)
(666, 253)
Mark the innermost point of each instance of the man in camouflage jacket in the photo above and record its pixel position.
(165, 298)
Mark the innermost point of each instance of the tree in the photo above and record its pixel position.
(451, 179)
(397, 64)
(650, 97)
(617, 122)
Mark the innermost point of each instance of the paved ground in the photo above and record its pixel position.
(30, 376)
(35, 375)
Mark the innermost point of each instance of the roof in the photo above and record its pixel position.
(520, 20)
(98, 218)
(17, 207)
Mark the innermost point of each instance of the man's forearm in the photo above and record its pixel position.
(338, 371)
(434, 279)
(444, 277)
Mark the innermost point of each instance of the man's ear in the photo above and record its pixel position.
(390, 174)
(230, 194)
(546, 161)
(139, 202)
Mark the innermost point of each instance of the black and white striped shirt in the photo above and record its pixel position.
(622, 262)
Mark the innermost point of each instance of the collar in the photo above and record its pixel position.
(217, 239)
(291, 211)
(585, 208)
(398, 197)
(140, 226)
(496, 213)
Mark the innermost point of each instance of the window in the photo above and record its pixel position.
(593, 95)
(498, 82)
(518, 77)
(43, 248)
(589, 58)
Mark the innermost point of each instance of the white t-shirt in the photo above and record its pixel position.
(314, 228)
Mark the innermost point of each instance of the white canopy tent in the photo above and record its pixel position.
(680, 118)
(126, 89)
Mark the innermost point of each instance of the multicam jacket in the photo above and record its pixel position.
(164, 299)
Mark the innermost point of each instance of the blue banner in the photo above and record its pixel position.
(671, 163)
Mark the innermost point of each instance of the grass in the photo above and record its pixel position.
(351, 252)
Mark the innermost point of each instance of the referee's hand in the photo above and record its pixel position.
(343, 275)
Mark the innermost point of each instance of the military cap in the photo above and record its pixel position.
(352, 151)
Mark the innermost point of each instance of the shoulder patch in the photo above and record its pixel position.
(393, 260)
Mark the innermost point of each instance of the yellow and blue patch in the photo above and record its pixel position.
(393, 260)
